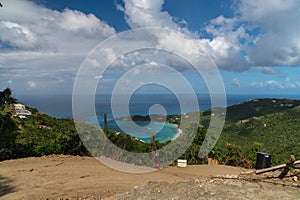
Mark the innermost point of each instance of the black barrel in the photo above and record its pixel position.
(263, 160)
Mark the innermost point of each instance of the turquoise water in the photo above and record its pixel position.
(162, 131)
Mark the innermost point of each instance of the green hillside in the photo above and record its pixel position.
(256, 107)
(278, 134)
(268, 125)
(259, 107)
(37, 135)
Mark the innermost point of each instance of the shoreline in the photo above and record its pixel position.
(178, 134)
(160, 137)
(174, 137)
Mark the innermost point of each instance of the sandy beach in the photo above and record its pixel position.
(179, 132)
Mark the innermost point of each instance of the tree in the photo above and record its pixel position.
(5, 96)
(1, 97)
(8, 133)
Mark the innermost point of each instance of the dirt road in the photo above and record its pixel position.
(69, 177)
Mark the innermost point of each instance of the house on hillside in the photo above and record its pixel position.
(286, 105)
(43, 126)
(21, 112)
(19, 106)
(245, 121)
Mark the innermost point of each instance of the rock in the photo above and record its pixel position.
(210, 181)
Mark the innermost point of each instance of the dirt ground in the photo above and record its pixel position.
(73, 177)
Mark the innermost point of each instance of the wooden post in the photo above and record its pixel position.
(260, 171)
(293, 159)
(105, 121)
(294, 164)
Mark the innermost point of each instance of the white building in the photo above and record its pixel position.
(19, 106)
(21, 111)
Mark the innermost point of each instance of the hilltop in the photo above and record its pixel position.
(259, 107)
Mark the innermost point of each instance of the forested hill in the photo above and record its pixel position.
(256, 108)
(269, 125)
(259, 107)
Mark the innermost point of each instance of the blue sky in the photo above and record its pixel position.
(255, 44)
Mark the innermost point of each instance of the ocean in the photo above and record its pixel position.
(60, 106)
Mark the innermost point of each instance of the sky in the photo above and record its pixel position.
(255, 45)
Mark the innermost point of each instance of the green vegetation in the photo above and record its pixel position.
(276, 133)
(268, 125)
(8, 132)
(40, 135)
(36, 135)
(259, 107)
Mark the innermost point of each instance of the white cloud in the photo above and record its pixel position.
(224, 51)
(257, 10)
(256, 84)
(278, 20)
(274, 84)
(235, 82)
(227, 35)
(195, 50)
(263, 33)
(17, 35)
(147, 13)
(268, 70)
(78, 22)
(32, 84)
(37, 42)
